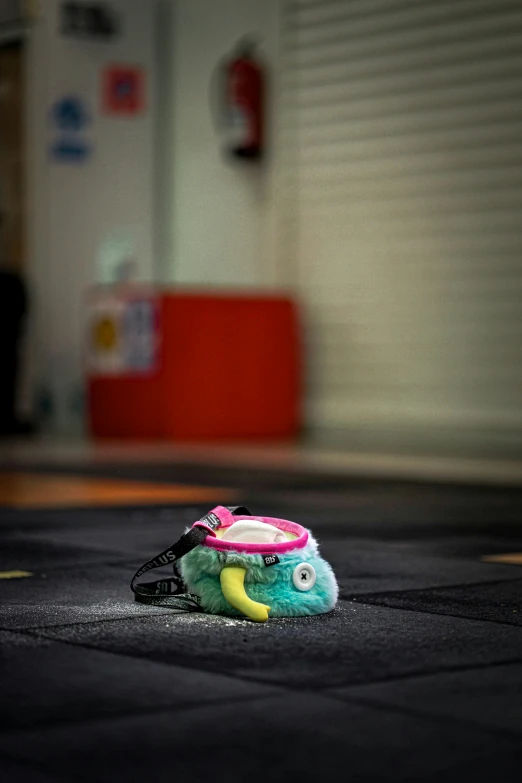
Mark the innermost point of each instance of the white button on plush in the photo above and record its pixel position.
(304, 576)
(254, 531)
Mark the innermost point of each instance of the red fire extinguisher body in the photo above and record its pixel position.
(245, 88)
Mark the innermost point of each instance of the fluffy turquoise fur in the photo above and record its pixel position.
(271, 585)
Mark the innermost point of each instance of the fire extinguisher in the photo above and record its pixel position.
(243, 94)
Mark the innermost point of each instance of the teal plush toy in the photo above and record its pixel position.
(237, 565)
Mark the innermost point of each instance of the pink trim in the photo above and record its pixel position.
(224, 516)
(284, 546)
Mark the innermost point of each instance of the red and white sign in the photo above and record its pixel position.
(123, 90)
(122, 333)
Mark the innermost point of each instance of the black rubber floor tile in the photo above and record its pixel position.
(27, 554)
(136, 533)
(68, 595)
(297, 737)
(12, 772)
(490, 697)
(63, 683)
(380, 567)
(499, 602)
(354, 644)
(466, 547)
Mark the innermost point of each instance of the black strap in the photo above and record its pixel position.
(171, 592)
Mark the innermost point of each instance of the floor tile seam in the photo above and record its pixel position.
(353, 600)
(415, 590)
(179, 663)
(438, 614)
(37, 628)
(288, 686)
(178, 709)
(419, 674)
(431, 716)
(374, 705)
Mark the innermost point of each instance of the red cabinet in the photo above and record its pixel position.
(193, 365)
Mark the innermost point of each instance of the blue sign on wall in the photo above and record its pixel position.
(69, 117)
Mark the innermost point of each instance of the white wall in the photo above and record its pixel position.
(221, 213)
(157, 184)
(76, 209)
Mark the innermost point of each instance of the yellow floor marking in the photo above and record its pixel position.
(511, 558)
(14, 574)
(39, 490)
